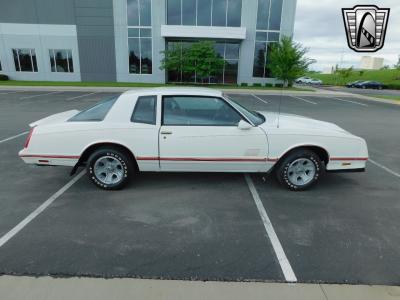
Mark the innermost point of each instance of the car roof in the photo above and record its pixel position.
(197, 91)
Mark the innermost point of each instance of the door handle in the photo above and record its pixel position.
(166, 132)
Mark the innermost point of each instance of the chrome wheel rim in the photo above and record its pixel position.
(108, 170)
(301, 171)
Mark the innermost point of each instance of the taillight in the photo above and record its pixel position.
(28, 138)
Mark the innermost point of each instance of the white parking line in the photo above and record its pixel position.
(14, 137)
(384, 168)
(349, 101)
(34, 96)
(72, 98)
(302, 99)
(265, 101)
(280, 254)
(14, 92)
(5, 238)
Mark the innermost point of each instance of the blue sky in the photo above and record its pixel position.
(319, 27)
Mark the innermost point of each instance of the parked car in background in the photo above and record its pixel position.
(370, 85)
(314, 81)
(303, 80)
(190, 130)
(352, 84)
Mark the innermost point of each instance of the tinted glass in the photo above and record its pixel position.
(253, 116)
(145, 32)
(204, 13)
(145, 44)
(70, 61)
(145, 110)
(145, 12)
(261, 36)
(0, 66)
(61, 60)
(268, 73)
(95, 113)
(133, 12)
(263, 14)
(273, 36)
(133, 32)
(231, 71)
(259, 60)
(189, 12)
(219, 13)
(34, 61)
(134, 56)
(232, 51)
(174, 12)
(25, 60)
(234, 13)
(276, 12)
(200, 111)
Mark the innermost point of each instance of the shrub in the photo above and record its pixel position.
(257, 84)
(243, 84)
(393, 86)
(3, 77)
(268, 85)
(279, 85)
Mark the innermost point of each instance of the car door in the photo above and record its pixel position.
(201, 134)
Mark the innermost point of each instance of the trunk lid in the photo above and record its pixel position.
(56, 118)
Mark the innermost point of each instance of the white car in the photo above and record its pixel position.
(190, 130)
(315, 81)
(303, 80)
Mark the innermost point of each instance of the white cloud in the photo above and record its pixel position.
(319, 27)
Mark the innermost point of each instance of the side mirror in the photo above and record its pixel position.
(243, 125)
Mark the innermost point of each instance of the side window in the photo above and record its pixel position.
(198, 111)
(145, 110)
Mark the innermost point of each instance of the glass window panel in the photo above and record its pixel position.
(273, 36)
(133, 32)
(95, 113)
(52, 62)
(145, 110)
(219, 13)
(263, 14)
(145, 32)
(232, 51)
(61, 60)
(198, 111)
(204, 12)
(231, 71)
(33, 54)
(234, 12)
(259, 60)
(133, 12)
(134, 56)
(70, 61)
(261, 36)
(276, 13)
(145, 12)
(146, 56)
(15, 56)
(0, 66)
(25, 60)
(174, 12)
(220, 49)
(189, 12)
(268, 73)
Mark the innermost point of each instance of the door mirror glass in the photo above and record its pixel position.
(243, 125)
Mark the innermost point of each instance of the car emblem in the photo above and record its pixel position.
(365, 27)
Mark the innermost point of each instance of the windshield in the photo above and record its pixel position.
(255, 117)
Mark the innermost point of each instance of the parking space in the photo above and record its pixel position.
(205, 226)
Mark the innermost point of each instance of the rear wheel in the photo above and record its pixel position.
(109, 168)
(299, 170)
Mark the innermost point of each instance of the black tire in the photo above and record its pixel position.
(124, 160)
(282, 171)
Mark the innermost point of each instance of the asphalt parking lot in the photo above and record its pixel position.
(204, 226)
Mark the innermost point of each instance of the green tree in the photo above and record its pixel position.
(287, 60)
(199, 58)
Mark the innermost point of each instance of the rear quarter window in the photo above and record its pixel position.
(95, 113)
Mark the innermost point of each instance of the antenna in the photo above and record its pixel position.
(279, 106)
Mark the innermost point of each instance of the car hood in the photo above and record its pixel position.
(296, 122)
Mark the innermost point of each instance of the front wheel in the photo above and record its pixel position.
(109, 169)
(299, 170)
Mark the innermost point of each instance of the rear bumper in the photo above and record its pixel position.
(359, 170)
(48, 159)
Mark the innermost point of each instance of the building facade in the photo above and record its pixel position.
(124, 40)
(371, 63)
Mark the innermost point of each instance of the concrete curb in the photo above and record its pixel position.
(43, 288)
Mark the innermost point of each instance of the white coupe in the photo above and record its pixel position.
(190, 130)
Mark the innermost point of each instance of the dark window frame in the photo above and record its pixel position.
(33, 60)
(154, 122)
(242, 117)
